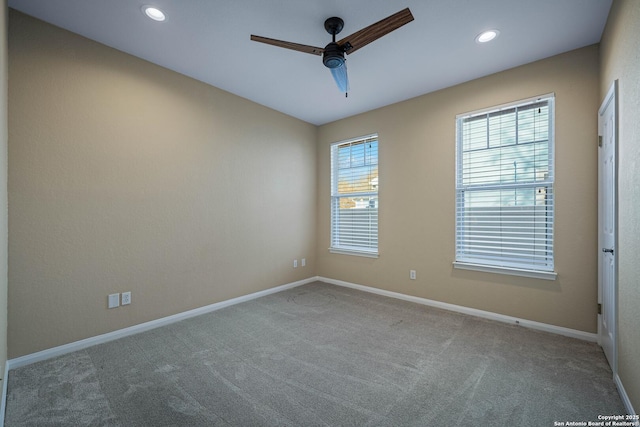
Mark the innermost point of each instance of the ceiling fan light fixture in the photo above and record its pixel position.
(487, 36)
(154, 13)
(333, 56)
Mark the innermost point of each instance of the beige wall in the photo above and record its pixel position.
(417, 166)
(3, 187)
(124, 176)
(620, 60)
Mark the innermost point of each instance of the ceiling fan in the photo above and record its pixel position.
(333, 53)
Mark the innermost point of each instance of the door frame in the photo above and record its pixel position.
(610, 98)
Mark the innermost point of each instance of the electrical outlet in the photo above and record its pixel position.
(295, 263)
(412, 274)
(126, 298)
(303, 261)
(114, 300)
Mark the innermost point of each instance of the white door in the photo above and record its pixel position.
(607, 224)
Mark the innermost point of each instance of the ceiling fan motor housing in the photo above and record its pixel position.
(333, 56)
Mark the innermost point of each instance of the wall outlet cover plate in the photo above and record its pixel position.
(114, 300)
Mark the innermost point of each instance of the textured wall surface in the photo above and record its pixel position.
(125, 176)
(417, 195)
(620, 60)
(3, 186)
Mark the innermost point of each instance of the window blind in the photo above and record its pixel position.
(504, 186)
(354, 196)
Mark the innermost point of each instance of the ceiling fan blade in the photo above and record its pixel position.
(341, 78)
(289, 45)
(374, 31)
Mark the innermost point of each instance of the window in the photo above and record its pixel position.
(354, 196)
(504, 189)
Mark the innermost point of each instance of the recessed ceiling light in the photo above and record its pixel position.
(154, 13)
(487, 36)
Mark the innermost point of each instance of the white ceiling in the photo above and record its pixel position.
(209, 41)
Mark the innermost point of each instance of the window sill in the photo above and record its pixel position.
(353, 252)
(536, 274)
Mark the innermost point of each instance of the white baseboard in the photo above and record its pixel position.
(80, 345)
(573, 333)
(110, 336)
(623, 394)
(136, 329)
(132, 330)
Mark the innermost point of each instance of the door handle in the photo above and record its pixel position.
(607, 250)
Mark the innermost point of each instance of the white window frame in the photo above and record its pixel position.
(365, 250)
(463, 257)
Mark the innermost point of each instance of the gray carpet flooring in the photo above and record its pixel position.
(320, 355)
